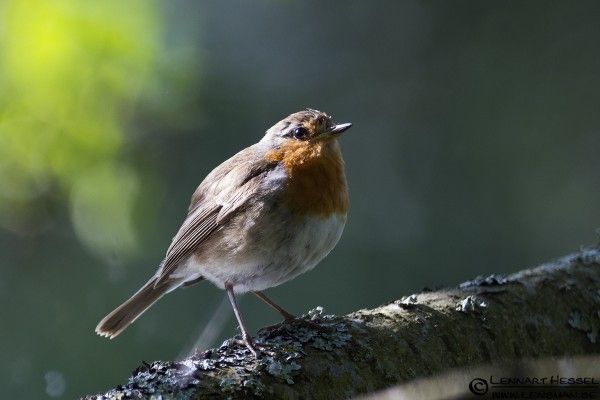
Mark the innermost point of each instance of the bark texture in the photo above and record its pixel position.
(481, 382)
(551, 310)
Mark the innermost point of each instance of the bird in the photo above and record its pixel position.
(261, 218)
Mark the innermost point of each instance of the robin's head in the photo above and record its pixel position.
(305, 126)
(305, 144)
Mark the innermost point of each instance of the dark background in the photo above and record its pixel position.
(474, 150)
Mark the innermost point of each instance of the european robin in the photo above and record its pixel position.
(261, 218)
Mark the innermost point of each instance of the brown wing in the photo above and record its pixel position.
(223, 192)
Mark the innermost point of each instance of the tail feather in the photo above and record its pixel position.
(124, 315)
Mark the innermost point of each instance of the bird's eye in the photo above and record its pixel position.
(300, 133)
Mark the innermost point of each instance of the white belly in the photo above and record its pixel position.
(268, 255)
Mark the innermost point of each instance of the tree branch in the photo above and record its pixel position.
(551, 310)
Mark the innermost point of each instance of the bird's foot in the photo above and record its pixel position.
(256, 350)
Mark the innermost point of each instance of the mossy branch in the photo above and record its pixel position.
(551, 310)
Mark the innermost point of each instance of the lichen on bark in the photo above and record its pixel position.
(551, 310)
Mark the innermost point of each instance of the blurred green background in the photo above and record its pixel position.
(474, 150)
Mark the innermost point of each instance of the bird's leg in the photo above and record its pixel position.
(245, 337)
(286, 315)
(289, 318)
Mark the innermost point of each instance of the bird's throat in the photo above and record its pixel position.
(316, 182)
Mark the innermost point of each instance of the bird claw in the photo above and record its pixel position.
(250, 345)
(256, 350)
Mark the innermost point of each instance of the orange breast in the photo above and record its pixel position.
(317, 183)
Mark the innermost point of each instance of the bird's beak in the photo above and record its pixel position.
(339, 128)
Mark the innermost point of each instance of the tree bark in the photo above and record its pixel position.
(551, 310)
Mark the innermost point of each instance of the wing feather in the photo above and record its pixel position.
(222, 193)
